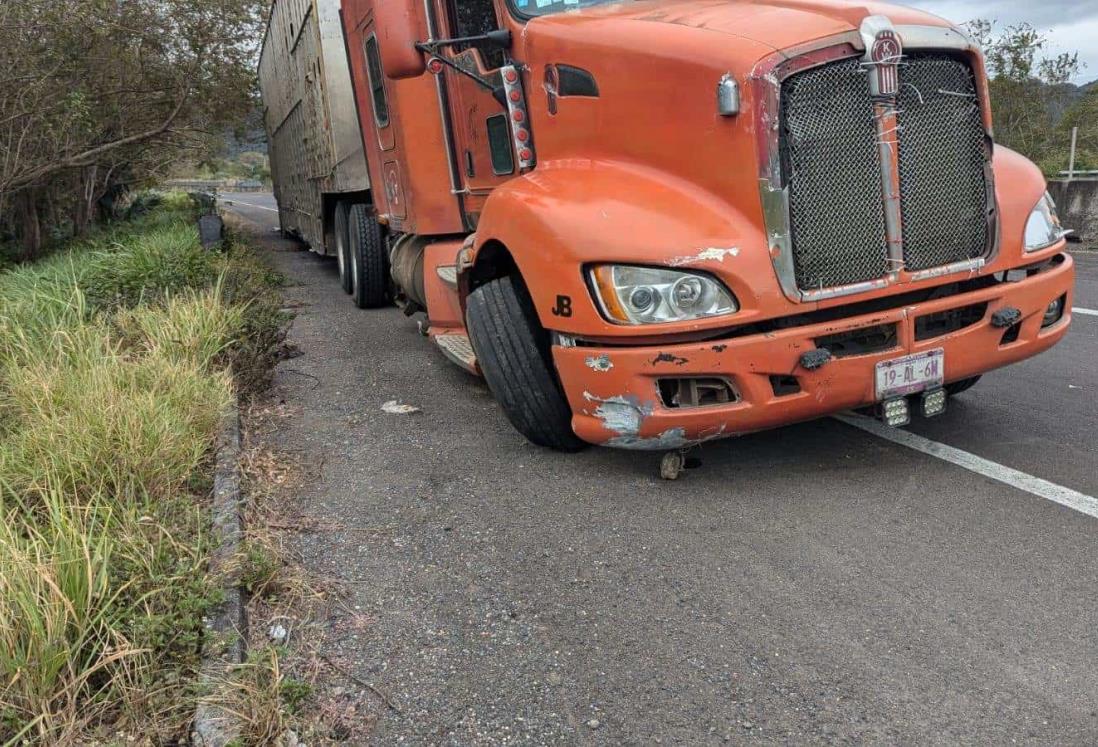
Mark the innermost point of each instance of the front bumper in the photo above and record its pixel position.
(615, 399)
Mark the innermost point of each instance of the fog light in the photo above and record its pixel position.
(933, 403)
(1054, 312)
(895, 412)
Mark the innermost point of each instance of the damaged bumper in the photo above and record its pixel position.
(630, 397)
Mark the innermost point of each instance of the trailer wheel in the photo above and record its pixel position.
(961, 386)
(369, 263)
(513, 352)
(343, 246)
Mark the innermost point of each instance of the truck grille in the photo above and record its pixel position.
(943, 187)
(832, 166)
(833, 169)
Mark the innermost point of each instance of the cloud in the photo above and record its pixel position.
(1069, 26)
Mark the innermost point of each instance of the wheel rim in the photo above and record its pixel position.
(354, 273)
(341, 240)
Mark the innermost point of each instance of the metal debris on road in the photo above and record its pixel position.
(671, 465)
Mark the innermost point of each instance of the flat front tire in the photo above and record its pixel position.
(962, 386)
(513, 351)
(369, 259)
(343, 245)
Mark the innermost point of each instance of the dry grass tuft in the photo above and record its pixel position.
(114, 374)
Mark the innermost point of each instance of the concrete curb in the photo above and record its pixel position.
(225, 627)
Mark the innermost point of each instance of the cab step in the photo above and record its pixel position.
(448, 274)
(456, 347)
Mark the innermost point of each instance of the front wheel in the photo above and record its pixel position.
(513, 352)
(961, 386)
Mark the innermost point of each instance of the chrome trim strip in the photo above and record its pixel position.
(779, 236)
(873, 29)
(936, 37)
(823, 294)
(890, 183)
(971, 265)
(444, 111)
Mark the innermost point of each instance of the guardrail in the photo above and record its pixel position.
(1077, 201)
(213, 185)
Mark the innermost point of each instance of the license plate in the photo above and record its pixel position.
(910, 374)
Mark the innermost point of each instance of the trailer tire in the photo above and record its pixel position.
(961, 386)
(343, 245)
(369, 260)
(513, 351)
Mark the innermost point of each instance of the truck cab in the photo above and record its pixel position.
(654, 223)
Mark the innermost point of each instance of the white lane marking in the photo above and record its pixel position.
(1073, 499)
(249, 204)
(1084, 312)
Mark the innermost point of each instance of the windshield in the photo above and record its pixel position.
(545, 7)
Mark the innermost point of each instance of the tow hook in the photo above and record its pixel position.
(815, 359)
(1007, 317)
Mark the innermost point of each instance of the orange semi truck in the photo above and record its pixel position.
(653, 223)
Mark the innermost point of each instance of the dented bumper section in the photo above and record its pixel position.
(676, 395)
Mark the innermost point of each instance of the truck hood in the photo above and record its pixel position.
(655, 66)
(776, 24)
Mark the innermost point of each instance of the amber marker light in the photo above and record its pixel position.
(608, 296)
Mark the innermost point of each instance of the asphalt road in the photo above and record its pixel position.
(813, 584)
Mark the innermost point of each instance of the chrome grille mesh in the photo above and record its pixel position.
(832, 167)
(943, 188)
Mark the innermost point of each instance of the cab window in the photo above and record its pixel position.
(545, 7)
(475, 18)
(377, 82)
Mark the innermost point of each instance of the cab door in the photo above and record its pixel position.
(380, 121)
(482, 129)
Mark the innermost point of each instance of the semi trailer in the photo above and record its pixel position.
(653, 223)
(318, 165)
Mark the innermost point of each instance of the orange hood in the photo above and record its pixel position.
(776, 24)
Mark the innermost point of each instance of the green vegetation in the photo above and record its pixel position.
(263, 697)
(1035, 105)
(246, 165)
(98, 98)
(116, 364)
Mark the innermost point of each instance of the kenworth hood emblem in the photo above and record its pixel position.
(884, 51)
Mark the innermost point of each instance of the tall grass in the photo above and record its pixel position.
(115, 363)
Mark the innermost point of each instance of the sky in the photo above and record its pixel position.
(1069, 26)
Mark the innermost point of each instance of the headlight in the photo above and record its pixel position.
(1043, 228)
(646, 295)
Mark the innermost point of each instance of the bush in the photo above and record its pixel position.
(116, 362)
(148, 268)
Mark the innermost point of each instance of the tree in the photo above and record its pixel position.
(1084, 115)
(1030, 93)
(95, 94)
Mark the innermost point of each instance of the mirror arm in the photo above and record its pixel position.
(500, 38)
(431, 50)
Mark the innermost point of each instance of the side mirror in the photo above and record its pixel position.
(400, 26)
